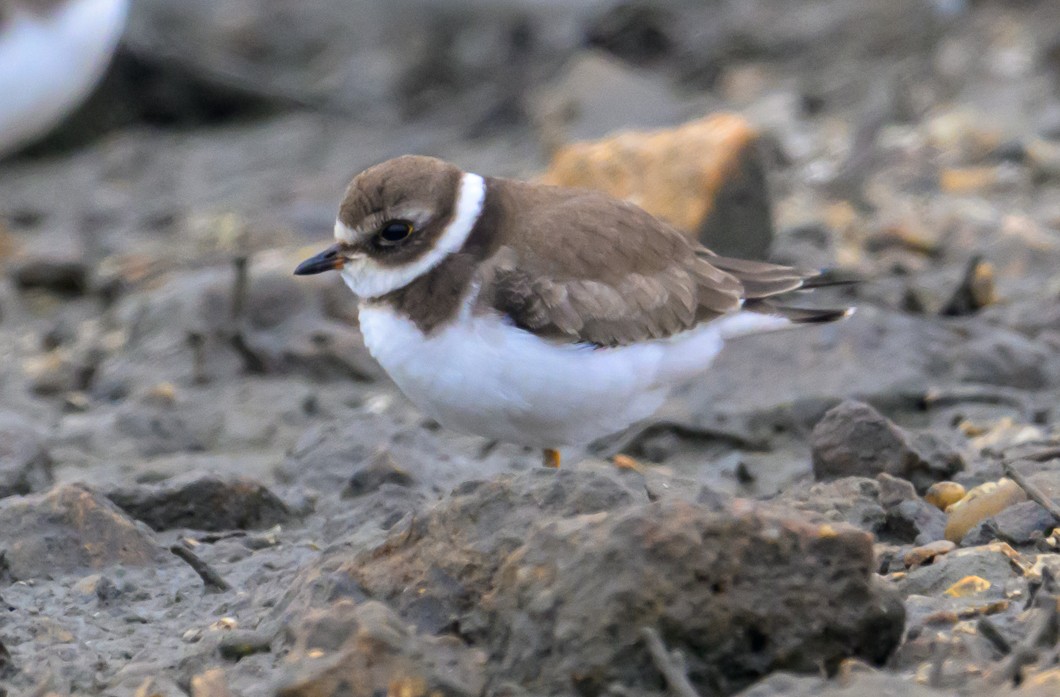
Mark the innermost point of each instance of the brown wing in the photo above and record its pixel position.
(589, 270)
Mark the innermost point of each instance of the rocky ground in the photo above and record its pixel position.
(207, 487)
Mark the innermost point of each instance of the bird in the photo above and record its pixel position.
(543, 316)
(52, 53)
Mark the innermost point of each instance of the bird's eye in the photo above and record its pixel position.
(393, 232)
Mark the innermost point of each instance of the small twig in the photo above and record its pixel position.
(1033, 492)
(209, 577)
(253, 362)
(975, 291)
(939, 653)
(196, 341)
(665, 662)
(979, 394)
(989, 631)
(1043, 455)
(239, 287)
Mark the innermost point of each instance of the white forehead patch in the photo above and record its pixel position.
(369, 279)
(343, 233)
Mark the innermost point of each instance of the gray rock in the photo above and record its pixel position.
(740, 223)
(853, 439)
(375, 61)
(894, 490)
(69, 528)
(915, 520)
(1007, 359)
(373, 474)
(161, 430)
(203, 502)
(596, 95)
(984, 562)
(25, 465)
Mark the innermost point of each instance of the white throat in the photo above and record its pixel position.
(368, 279)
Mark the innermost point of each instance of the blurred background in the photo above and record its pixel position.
(164, 164)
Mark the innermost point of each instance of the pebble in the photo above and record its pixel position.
(925, 554)
(211, 683)
(968, 180)
(969, 585)
(942, 495)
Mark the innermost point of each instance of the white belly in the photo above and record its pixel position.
(483, 376)
(49, 64)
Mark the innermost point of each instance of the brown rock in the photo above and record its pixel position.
(68, 528)
(705, 177)
(366, 650)
(739, 595)
(556, 573)
(925, 554)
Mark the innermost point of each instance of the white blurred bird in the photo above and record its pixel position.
(52, 53)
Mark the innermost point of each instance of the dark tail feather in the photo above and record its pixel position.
(800, 315)
(824, 281)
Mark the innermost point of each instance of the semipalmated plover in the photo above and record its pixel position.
(52, 53)
(538, 315)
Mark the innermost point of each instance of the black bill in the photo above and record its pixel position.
(328, 260)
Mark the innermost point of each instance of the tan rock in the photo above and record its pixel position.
(705, 177)
(969, 585)
(927, 553)
(68, 528)
(965, 180)
(980, 503)
(211, 683)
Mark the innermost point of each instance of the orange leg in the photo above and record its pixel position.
(551, 458)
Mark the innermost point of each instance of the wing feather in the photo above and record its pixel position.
(621, 276)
